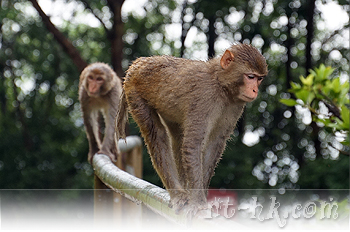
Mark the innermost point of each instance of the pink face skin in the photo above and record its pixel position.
(94, 81)
(250, 88)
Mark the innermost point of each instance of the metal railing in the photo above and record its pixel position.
(139, 191)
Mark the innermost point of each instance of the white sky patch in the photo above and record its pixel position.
(234, 17)
(334, 16)
(283, 20)
(173, 31)
(277, 48)
(222, 44)
(190, 36)
(252, 138)
(134, 6)
(27, 84)
(305, 114)
(60, 11)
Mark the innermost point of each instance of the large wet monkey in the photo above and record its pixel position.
(99, 92)
(187, 110)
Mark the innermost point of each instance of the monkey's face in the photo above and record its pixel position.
(94, 82)
(245, 71)
(250, 88)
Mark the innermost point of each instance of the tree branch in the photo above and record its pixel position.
(61, 39)
(336, 32)
(96, 16)
(116, 36)
(332, 107)
(340, 151)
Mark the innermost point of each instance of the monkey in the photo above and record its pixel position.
(186, 111)
(99, 92)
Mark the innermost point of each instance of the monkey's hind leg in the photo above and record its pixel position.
(176, 136)
(158, 144)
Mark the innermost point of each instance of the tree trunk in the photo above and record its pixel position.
(310, 34)
(3, 101)
(289, 44)
(116, 36)
(184, 30)
(309, 65)
(211, 36)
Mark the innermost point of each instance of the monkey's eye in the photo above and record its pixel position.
(90, 77)
(251, 76)
(260, 78)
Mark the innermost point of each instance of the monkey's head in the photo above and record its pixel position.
(97, 79)
(244, 69)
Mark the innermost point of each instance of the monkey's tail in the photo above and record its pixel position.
(122, 118)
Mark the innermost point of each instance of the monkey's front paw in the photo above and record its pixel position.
(179, 202)
(196, 210)
(90, 156)
(112, 156)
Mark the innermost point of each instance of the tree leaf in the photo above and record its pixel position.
(336, 85)
(295, 87)
(345, 114)
(310, 97)
(288, 102)
(308, 80)
(303, 95)
(328, 71)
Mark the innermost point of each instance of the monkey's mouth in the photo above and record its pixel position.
(249, 99)
(95, 95)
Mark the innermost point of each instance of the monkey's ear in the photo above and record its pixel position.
(226, 59)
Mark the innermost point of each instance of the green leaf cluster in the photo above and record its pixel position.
(326, 97)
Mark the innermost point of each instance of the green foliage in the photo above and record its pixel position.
(326, 98)
(43, 143)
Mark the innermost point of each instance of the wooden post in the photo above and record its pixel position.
(103, 209)
(110, 207)
(131, 162)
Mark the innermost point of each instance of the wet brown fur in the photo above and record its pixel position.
(107, 103)
(186, 111)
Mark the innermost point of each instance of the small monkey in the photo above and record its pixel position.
(186, 111)
(99, 91)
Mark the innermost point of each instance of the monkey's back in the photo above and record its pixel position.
(168, 66)
(163, 81)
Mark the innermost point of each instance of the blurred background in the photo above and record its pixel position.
(44, 45)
